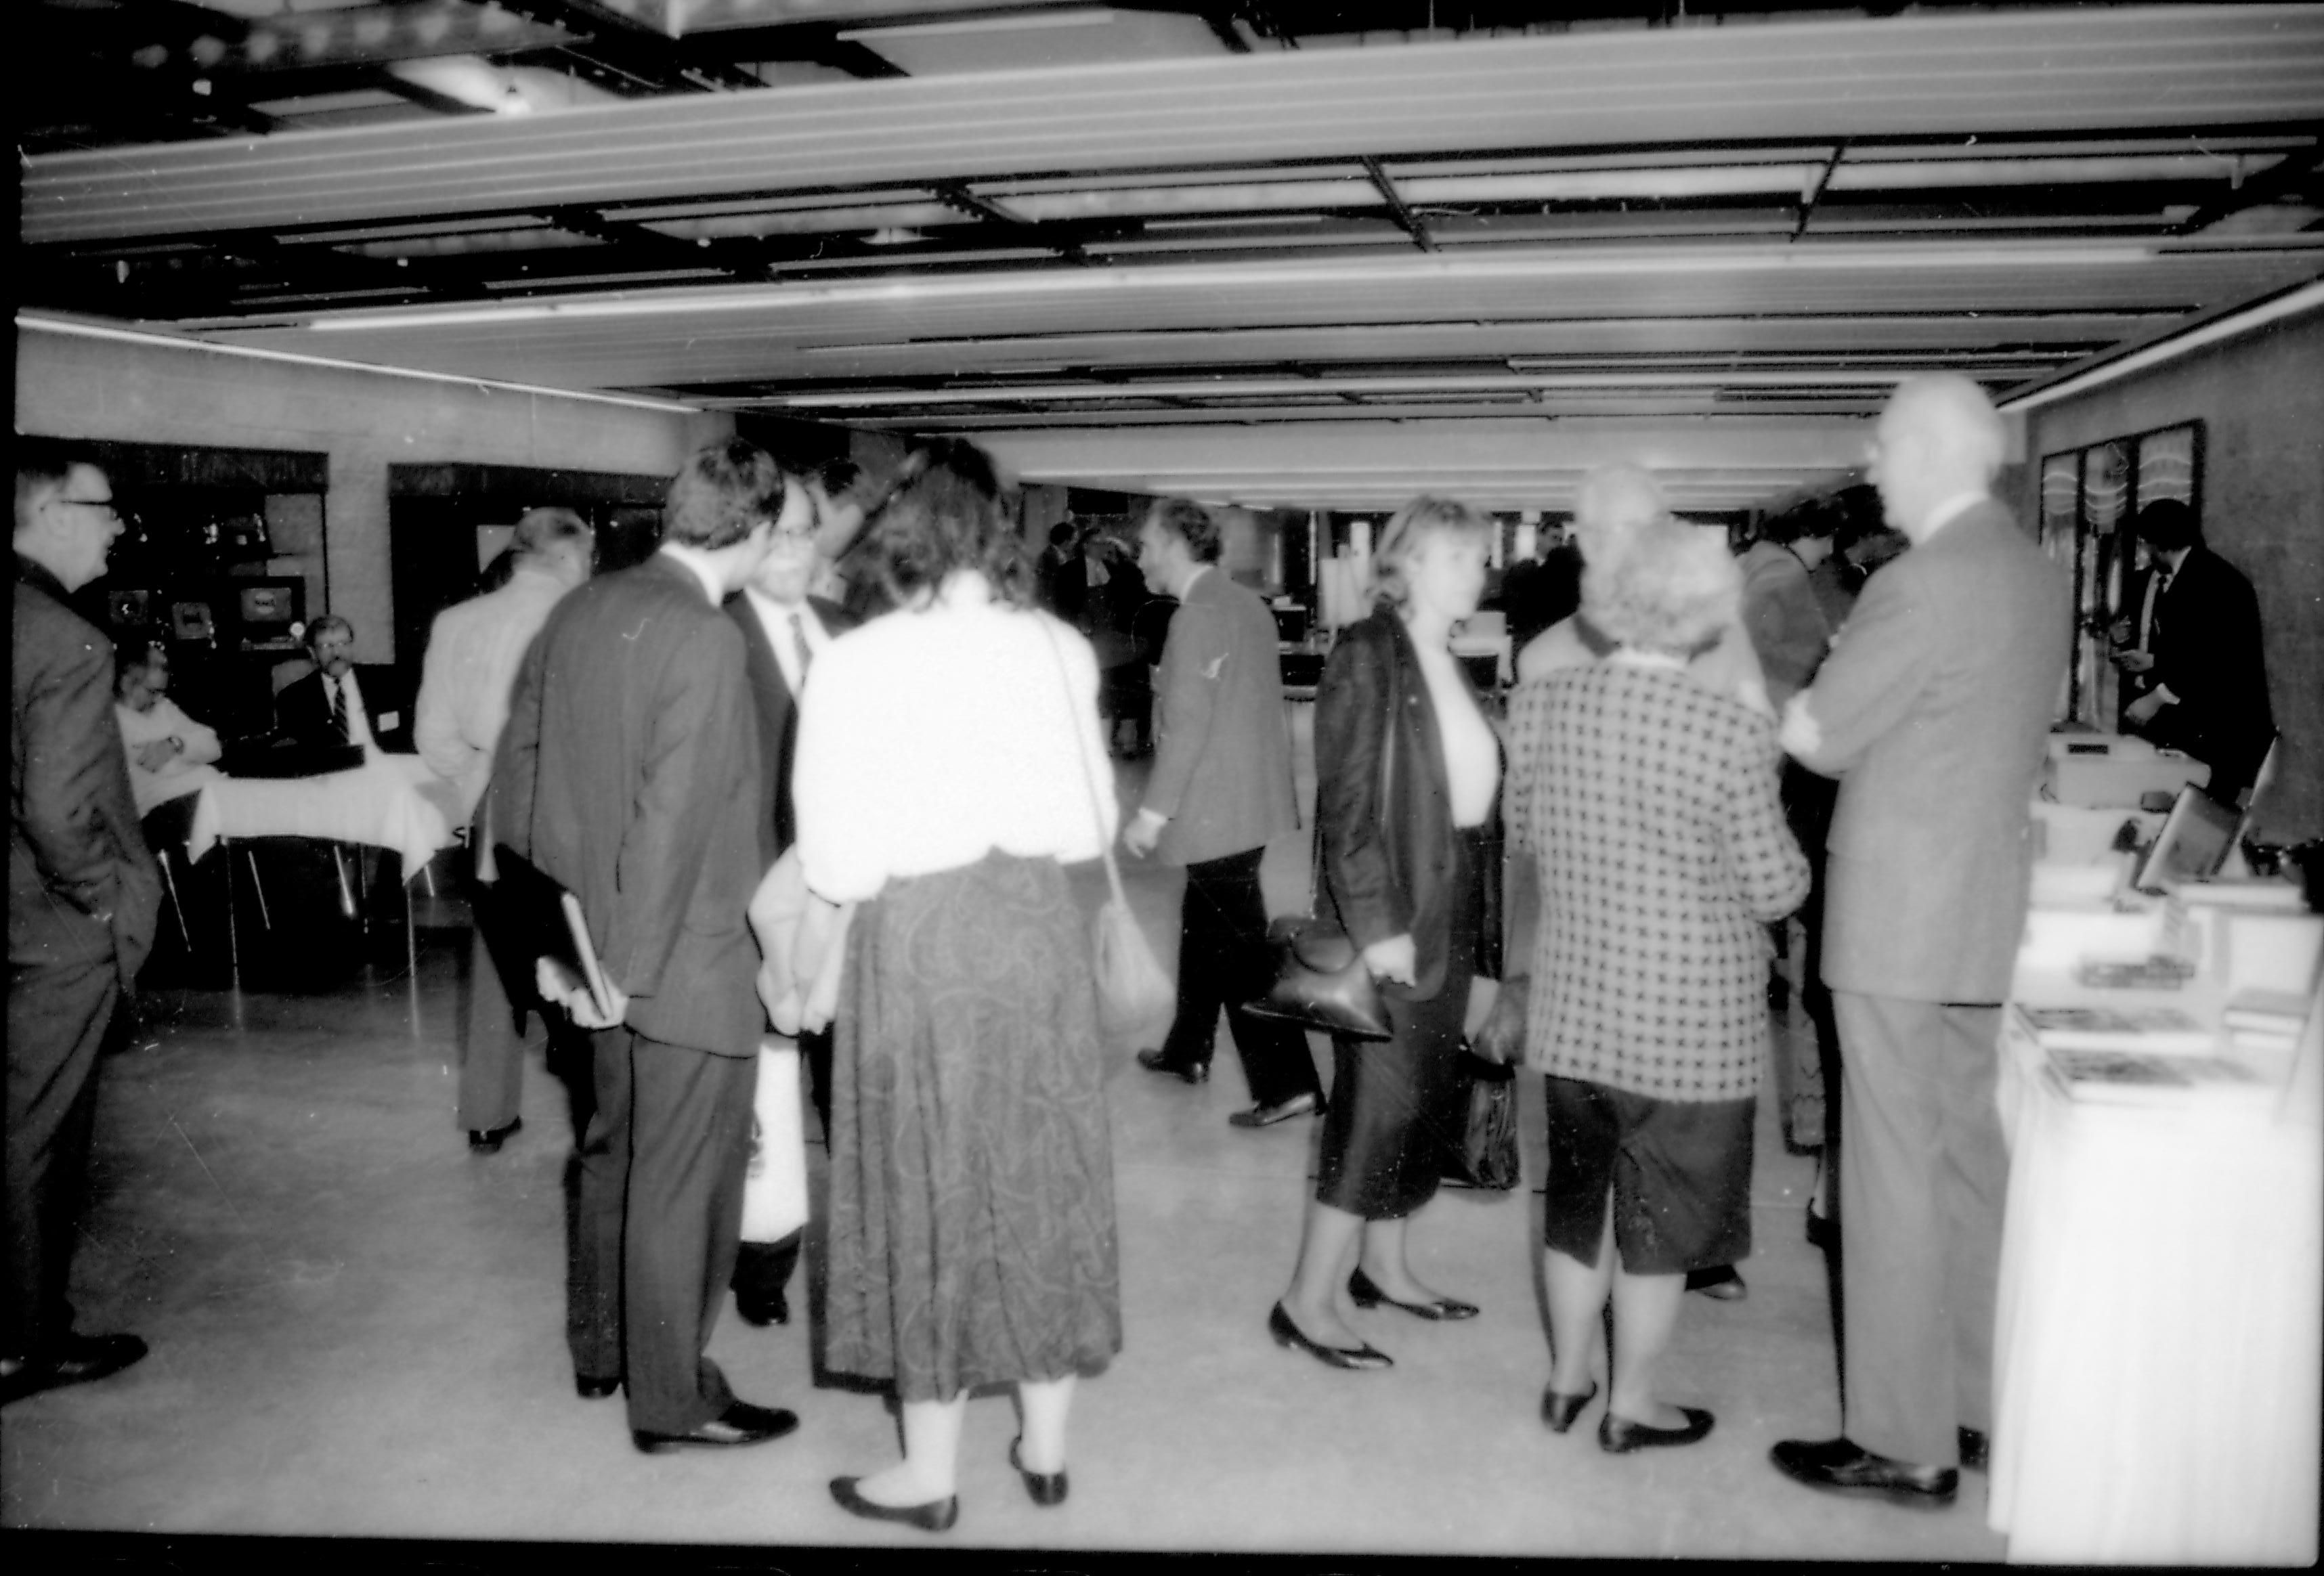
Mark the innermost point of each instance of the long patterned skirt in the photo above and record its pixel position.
(971, 1224)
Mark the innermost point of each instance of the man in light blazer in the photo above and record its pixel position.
(1932, 712)
(1220, 789)
(784, 630)
(628, 773)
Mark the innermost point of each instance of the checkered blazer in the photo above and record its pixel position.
(1649, 804)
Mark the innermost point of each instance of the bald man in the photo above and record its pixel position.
(1933, 711)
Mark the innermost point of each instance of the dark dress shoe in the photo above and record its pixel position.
(1046, 1488)
(1618, 1436)
(1721, 1283)
(1286, 1333)
(1364, 1293)
(935, 1515)
(751, 1311)
(1558, 1409)
(740, 1424)
(1267, 1116)
(590, 1387)
(489, 1142)
(1823, 1230)
(1841, 1466)
(1971, 1442)
(1192, 1071)
(78, 1360)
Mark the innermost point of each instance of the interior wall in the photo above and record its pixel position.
(2261, 400)
(73, 386)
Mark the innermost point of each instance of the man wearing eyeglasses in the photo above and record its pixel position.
(83, 893)
(785, 629)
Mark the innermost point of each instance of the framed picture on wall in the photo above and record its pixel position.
(190, 621)
(127, 610)
(2169, 461)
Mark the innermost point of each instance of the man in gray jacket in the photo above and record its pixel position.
(1220, 789)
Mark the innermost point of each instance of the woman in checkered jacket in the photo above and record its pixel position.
(1647, 801)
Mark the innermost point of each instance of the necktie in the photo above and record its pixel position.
(339, 704)
(806, 657)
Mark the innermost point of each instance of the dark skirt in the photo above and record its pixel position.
(972, 1223)
(1680, 1173)
(1399, 1105)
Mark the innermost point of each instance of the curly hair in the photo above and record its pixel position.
(1191, 523)
(724, 490)
(1424, 517)
(948, 510)
(1670, 588)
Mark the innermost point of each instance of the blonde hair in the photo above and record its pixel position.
(1401, 538)
(1670, 588)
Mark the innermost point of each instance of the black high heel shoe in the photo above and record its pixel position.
(1559, 1410)
(1286, 1333)
(1618, 1436)
(1365, 1294)
(935, 1515)
(1046, 1488)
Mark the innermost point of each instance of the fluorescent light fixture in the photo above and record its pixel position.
(1023, 22)
(1249, 388)
(32, 323)
(1401, 270)
(2306, 298)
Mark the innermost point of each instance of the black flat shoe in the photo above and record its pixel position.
(935, 1515)
(1841, 1466)
(1192, 1071)
(1822, 1232)
(1267, 1116)
(1971, 1442)
(1618, 1436)
(590, 1387)
(741, 1423)
(753, 1311)
(1558, 1409)
(489, 1142)
(1046, 1488)
(1286, 1333)
(1720, 1284)
(1364, 1293)
(79, 1359)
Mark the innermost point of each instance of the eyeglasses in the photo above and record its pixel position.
(107, 504)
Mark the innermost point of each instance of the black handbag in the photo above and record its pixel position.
(1320, 978)
(1484, 1153)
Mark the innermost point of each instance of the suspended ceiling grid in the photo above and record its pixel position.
(1154, 258)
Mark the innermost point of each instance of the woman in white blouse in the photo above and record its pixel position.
(944, 775)
(1408, 769)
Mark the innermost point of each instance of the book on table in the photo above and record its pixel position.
(2138, 1077)
(2139, 1031)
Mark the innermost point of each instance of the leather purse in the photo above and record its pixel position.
(1320, 978)
(1484, 1153)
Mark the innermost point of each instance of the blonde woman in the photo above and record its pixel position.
(1404, 868)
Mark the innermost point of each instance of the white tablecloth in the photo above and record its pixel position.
(391, 801)
(2160, 1340)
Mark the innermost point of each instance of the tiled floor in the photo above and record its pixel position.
(356, 1329)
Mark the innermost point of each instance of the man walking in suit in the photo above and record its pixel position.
(334, 705)
(83, 895)
(1220, 789)
(2200, 670)
(628, 773)
(1932, 712)
(785, 629)
(473, 652)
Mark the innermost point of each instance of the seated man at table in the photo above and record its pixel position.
(169, 753)
(340, 704)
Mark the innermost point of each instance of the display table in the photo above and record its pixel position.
(2159, 1343)
(391, 801)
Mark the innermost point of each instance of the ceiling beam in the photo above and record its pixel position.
(639, 38)
(1405, 220)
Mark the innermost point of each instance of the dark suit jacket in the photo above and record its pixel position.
(2206, 644)
(1388, 856)
(628, 772)
(1935, 710)
(303, 712)
(82, 885)
(1223, 760)
(778, 716)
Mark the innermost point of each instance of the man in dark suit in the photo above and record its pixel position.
(628, 772)
(1220, 789)
(2200, 671)
(83, 894)
(784, 630)
(339, 703)
(1933, 711)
